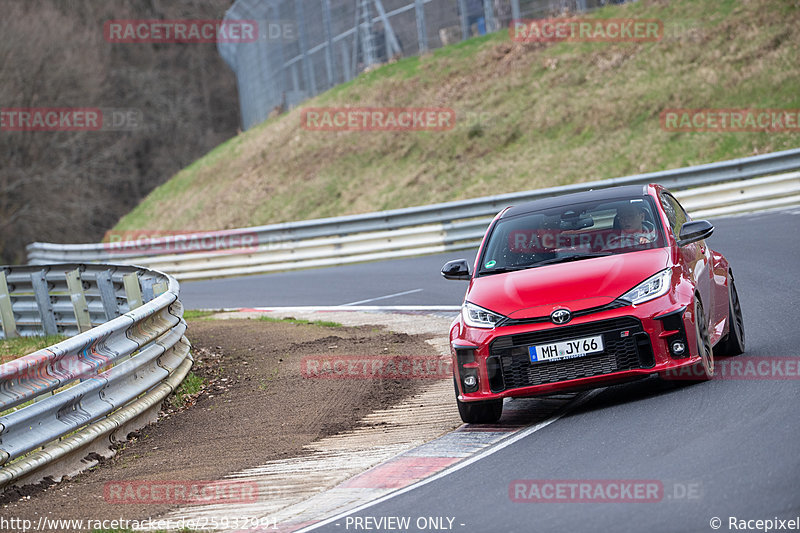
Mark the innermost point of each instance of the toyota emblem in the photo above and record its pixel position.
(561, 316)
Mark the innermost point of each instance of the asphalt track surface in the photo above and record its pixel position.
(726, 448)
(374, 283)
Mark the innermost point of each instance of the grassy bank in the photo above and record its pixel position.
(528, 116)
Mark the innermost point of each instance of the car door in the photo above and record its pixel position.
(695, 257)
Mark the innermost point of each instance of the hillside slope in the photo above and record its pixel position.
(528, 116)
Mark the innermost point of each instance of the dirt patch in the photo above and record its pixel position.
(255, 406)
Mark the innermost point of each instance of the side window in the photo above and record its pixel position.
(675, 213)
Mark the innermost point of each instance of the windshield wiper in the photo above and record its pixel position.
(568, 258)
(502, 270)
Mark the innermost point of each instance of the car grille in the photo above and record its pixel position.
(621, 353)
(616, 304)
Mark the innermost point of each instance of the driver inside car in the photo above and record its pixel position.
(633, 229)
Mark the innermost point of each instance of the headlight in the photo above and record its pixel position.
(478, 317)
(649, 289)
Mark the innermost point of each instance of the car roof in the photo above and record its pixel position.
(609, 193)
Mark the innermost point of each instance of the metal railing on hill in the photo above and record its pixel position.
(713, 189)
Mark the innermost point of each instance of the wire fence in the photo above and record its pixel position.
(304, 47)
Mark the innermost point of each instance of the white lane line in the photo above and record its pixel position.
(383, 297)
(580, 400)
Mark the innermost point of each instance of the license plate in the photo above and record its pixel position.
(566, 349)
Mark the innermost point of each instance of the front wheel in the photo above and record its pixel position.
(487, 412)
(733, 343)
(704, 370)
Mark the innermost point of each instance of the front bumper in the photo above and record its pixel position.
(637, 343)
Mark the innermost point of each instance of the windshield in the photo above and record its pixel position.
(571, 232)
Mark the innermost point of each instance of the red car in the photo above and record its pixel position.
(586, 290)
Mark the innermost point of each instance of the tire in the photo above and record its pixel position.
(733, 343)
(487, 412)
(704, 370)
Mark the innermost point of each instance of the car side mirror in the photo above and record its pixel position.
(456, 269)
(694, 231)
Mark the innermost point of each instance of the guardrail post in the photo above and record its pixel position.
(147, 289)
(6, 313)
(159, 289)
(78, 298)
(132, 290)
(42, 294)
(107, 294)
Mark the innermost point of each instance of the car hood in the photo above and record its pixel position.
(578, 285)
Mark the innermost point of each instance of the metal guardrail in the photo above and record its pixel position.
(127, 353)
(433, 228)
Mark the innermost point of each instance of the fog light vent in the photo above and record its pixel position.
(678, 348)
